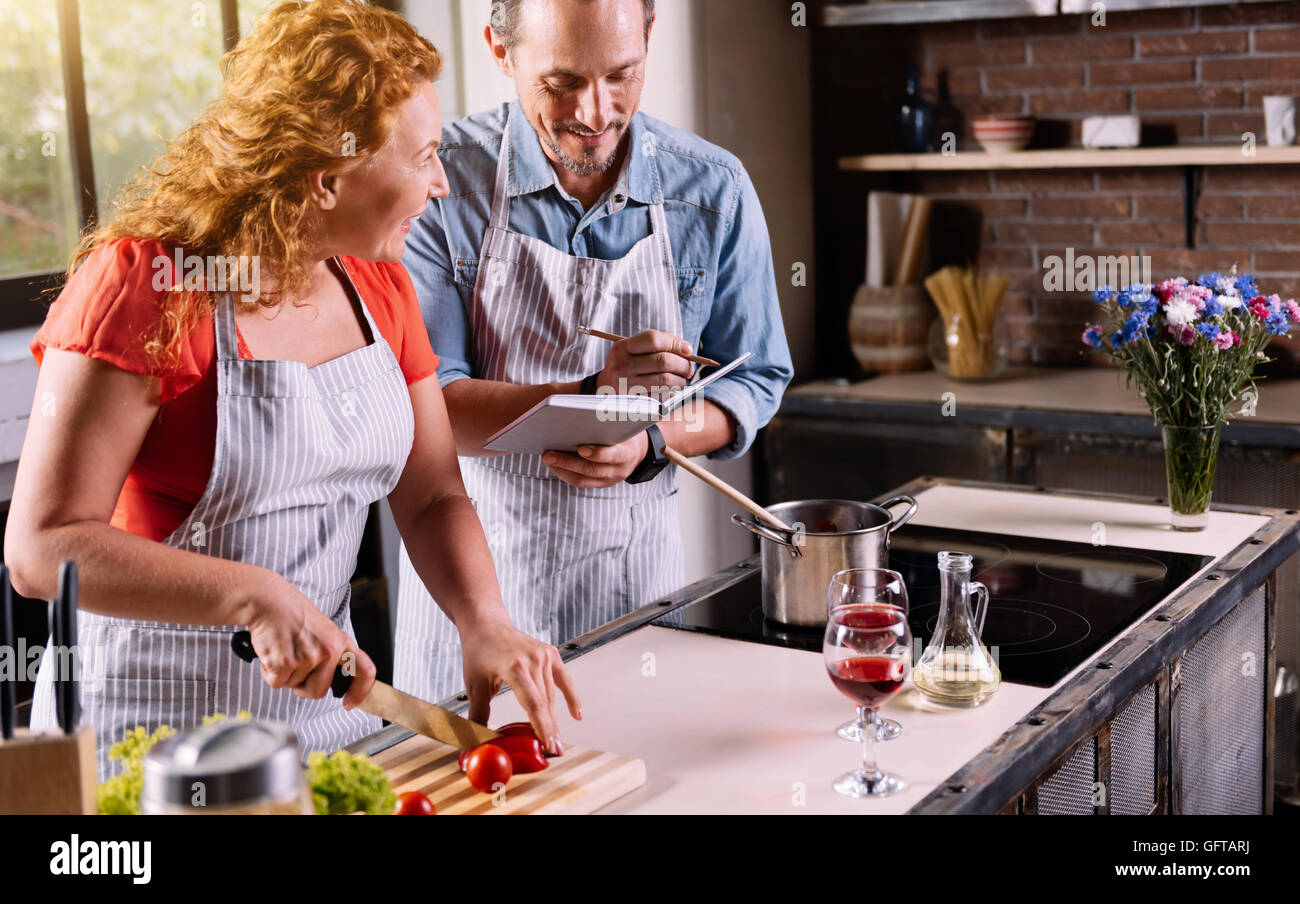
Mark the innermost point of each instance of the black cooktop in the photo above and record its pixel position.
(1053, 604)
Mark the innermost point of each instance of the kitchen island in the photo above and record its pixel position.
(1147, 723)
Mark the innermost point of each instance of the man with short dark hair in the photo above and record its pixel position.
(570, 208)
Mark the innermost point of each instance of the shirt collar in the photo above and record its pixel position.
(531, 169)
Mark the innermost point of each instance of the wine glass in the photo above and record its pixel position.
(867, 585)
(868, 653)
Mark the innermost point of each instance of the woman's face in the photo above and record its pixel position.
(373, 206)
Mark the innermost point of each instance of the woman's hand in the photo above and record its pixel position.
(297, 646)
(495, 653)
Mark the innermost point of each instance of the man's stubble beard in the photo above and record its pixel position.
(586, 167)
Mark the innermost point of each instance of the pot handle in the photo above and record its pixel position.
(769, 533)
(896, 522)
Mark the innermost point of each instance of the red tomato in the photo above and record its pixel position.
(518, 730)
(488, 767)
(413, 803)
(525, 754)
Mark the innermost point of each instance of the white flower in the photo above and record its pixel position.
(1226, 286)
(1230, 302)
(1180, 312)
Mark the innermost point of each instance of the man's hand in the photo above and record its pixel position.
(497, 653)
(598, 466)
(648, 359)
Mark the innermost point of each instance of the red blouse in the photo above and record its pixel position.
(108, 309)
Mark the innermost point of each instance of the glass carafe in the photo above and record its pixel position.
(956, 668)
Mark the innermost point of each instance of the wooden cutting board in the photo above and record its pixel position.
(579, 782)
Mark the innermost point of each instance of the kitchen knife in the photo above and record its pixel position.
(68, 690)
(7, 693)
(388, 703)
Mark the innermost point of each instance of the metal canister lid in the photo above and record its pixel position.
(223, 764)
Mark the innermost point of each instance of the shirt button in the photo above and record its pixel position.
(619, 199)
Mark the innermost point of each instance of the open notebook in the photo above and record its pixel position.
(563, 422)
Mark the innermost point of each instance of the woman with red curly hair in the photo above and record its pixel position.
(234, 371)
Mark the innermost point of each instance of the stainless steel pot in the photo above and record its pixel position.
(831, 534)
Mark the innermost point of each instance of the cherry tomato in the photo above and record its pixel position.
(488, 767)
(413, 803)
(518, 730)
(525, 754)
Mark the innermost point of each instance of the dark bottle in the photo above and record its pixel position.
(947, 119)
(915, 118)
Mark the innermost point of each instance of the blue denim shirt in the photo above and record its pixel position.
(721, 250)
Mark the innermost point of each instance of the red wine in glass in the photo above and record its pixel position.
(868, 680)
(867, 650)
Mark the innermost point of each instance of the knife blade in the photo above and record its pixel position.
(69, 696)
(392, 705)
(8, 697)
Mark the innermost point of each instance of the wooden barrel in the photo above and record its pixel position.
(888, 328)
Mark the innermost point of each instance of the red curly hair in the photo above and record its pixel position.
(315, 86)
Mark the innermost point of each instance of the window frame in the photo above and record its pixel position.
(23, 298)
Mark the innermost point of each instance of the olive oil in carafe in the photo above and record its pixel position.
(956, 669)
(957, 677)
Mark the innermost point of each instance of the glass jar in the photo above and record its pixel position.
(224, 768)
(958, 351)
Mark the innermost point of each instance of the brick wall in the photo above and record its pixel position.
(1196, 76)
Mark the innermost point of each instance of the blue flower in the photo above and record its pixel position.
(1208, 330)
(1245, 286)
(1213, 307)
(1102, 295)
(1209, 280)
(1278, 323)
(1092, 336)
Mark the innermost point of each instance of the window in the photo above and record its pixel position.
(91, 90)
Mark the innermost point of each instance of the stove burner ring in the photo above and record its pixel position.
(1082, 628)
(1110, 578)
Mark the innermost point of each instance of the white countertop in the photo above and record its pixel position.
(728, 726)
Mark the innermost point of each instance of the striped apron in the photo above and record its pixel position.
(301, 453)
(568, 559)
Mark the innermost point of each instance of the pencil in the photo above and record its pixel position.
(615, 337)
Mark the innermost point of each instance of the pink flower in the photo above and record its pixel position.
(1167, 288)
(1259, 307)
(1293, 309)
(1236, 340)
(1185, 335)
(1224, 340)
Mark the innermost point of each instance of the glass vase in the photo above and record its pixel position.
(1190, 456)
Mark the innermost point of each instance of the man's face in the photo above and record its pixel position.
(578, 67)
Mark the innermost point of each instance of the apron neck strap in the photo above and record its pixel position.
(501, 192)
(500, 217)
(223, 316)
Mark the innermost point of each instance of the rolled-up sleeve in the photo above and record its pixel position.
(428, 260)
(745, 316)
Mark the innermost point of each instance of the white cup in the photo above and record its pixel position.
(1279, 120)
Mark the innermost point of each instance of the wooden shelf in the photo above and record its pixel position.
(1075, 158)
(901, 12)
(846, 14)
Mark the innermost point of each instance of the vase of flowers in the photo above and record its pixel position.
(1192, 348)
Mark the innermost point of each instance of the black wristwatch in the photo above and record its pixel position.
(588, 384)
(654, 461)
